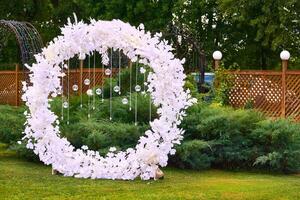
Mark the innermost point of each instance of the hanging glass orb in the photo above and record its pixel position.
(89, 92)
(75, 88)
(137, 88)
(87, 81)
(124, 101)
(98, 91)
(59, 92)
(65, 104)
(117, 89)
(107, 72)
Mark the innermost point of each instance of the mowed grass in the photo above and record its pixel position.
(20, 179)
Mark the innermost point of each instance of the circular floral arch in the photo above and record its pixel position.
(165, 85)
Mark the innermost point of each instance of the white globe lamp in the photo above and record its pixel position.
(217, 55)
(285, 55)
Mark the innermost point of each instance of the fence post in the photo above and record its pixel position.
(285, 56)
(80, 77)
(17, 85)
(217, 56)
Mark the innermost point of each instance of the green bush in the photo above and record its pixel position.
(191, 84)
(195, 154)
(212, 121)
(279, 142)
(100, 135)
(215, 136)
(241, 139)
(23, 152)
(12, 123)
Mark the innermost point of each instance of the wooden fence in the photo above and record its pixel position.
(11, 82)
(276, 93)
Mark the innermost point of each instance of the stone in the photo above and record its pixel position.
(54, 172)
(159, 174)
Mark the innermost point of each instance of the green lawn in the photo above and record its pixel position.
(20, 179)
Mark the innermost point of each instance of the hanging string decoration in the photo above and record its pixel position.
(164, 84)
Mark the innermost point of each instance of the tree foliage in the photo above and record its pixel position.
(250, 34)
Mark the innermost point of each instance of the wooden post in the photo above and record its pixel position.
(216, 64)
(284, 65)
(217, 56)
(80, 77)
(17, 85)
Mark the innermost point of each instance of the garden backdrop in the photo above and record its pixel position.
(241, 153)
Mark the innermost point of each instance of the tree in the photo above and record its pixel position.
(262, 29)
(155, 15)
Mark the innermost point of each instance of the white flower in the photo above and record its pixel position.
(112, 149)
(84, 147)
(172, 152)
(141, 27)
(49, 53)
(142, 70)
(81, 56)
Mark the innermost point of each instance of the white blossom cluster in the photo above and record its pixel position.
(165, 84)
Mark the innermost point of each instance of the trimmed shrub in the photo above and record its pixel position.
(215, 136)
(279, 144)
(23, 152)
(99, 135)
(12, 124)
(241, 139)
(195, 154)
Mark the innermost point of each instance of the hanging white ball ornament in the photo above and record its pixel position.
(98, 91)
(117, 89)
(89, 92)
(107, 72)
(75, 88)
(65, 104)
(87, 81)
(124, 101)
(137, 88)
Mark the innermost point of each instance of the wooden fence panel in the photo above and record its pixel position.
(293, 96)
(264, 91)
(8, 87)
(261, 89)
(11, 94)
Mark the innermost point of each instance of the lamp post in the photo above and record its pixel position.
(284, 56)
(217, 56)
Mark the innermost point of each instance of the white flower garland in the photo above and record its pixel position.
(165, 84)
